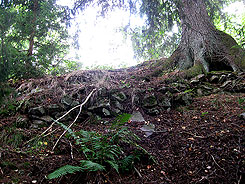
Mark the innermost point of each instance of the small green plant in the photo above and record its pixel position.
(125, 84)
(241, 102)
(150, 89)
(12, 137)
(204, 113)
(189, 91)
(102, 151)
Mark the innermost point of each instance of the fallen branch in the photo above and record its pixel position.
(80, 110)
(54, 121)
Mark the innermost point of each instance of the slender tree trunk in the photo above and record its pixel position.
(202, 45)
(32, 35)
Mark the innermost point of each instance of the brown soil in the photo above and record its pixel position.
(203, 142)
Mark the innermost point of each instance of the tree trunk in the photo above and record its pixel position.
(203, 46)
(32, 35)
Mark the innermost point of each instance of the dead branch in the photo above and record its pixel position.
(80, 109)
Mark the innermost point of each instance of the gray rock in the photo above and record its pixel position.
(46, 119)
(153, 111)
(163, 89)
(199, 92)
(194, 81)
(183, 98)
(200, 77)
(22, 122)
(214, 79)
(99, 106)
(222, 78)
(53, 108)
(117, 105)
(66, 100)
(216, 90)
(37, 111)
(148, 129)
(137, 117)
(242, 116)
(149, 101)
(106, 112)
(197, 79)
(226, 83)
(165, 101)
(120, 96)
(207, 87)
(38, 124)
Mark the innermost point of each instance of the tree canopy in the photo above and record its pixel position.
(33, 34)
(33, 37)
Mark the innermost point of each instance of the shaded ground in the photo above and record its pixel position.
(199, 143)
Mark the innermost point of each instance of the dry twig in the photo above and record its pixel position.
(217, 163)
(80, 109)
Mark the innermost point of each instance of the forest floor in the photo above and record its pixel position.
(198, 143)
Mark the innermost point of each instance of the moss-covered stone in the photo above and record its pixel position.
(149, 101)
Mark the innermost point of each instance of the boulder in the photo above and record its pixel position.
(106, 112)
(242, 116)
(68, 101)
(22, 122)
(121, 97)
(183, 98)
(53, 109)
(152, 111)
(165, 101)
(148, 129)
(226, 83)
(37, 111)
(149, 101)
(214, 79)
(38, 124)
(137, 117)
(163, 89)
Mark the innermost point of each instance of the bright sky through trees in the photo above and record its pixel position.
(100, 39)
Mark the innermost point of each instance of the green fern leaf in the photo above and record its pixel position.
(64, 170)
(113, 165)
(91, 166)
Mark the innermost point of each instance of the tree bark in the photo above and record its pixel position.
(32, 35)
(202, 45)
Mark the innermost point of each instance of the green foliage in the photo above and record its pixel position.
(125, 84)
(234, 26)
(102, 150)
(32, 38)
(7, 103)
(64, 170)
(12, 137)
(204, 113)
(241, 102)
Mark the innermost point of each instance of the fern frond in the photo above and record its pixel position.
(91, 166)
(127, 162)
(65, 170)
(113, 164)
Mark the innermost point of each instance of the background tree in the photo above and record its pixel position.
(33, 38)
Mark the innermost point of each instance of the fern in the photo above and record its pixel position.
(65, 170)
(91, 166)
(127, 162)
(102, 149)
